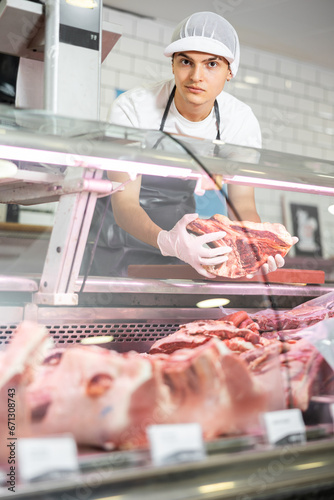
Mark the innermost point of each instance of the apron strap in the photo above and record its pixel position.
(167, 108)
(217, 119)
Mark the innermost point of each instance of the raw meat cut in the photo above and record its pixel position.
(197, 333)
(18, 364)
(289, 368)
(230, 329)
(243, 342)
(210, 385)
(304, 371)
(251, 242)
(97, 395)
(17, 370)
(107, 399)
(241, 319)
(304, 315)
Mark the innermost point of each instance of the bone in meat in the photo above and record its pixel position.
(107, 399)
(251, 242)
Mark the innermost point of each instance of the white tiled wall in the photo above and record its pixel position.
(293, 100)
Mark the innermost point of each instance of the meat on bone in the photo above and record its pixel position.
(306, 314)
(251, 242)
(107, 399)
(304, 371)
(289, 365)
(196, 333)
(19, 363)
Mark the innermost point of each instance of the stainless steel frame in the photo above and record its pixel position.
(288, 472)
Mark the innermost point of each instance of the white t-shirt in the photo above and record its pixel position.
(143, 108)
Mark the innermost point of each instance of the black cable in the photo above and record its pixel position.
(237, 215)
(229, 203)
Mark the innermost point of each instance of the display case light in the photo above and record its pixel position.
(85, 4)
(98, 339)
(136, 167)
(276, 184)
(133, 168)
(215, 302)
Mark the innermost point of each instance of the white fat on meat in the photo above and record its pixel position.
(90, 394)
(25, 353)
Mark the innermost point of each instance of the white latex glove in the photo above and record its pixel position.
(189, 248)
(273, 263)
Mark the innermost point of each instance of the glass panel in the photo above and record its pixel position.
(48, 150)
(121, 288)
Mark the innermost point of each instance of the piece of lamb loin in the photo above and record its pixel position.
(110, 398)
(107, 394)
(306, 314)
(251, 242)
(304, 372)
(66, 392)
(18, 367)
(25, 352)
(210, 385)
(190, 335)
(292, 369)
(107, 399)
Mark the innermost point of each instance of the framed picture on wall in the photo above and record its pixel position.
(306, 226)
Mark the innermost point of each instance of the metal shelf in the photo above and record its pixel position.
(152, 286)
(128, 285)
(260, 473)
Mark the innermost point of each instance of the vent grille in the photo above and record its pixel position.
(122, 332)
(6, 333)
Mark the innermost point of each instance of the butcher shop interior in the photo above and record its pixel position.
(166, 250)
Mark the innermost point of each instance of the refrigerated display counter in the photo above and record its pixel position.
(47, 158)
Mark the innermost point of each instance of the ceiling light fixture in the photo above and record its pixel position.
(253, 80)
(85, 4)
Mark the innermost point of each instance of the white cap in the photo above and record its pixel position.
(206, 32)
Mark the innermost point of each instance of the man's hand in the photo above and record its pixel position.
(190, 249)
(273, 263)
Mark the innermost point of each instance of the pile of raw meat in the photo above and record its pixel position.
(251, 242)
(220, 373)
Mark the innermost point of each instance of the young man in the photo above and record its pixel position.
(150, 216)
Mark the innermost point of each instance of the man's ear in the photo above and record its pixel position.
(229, 75)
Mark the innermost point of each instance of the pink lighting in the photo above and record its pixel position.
(279, 184)
(70, 160)
(134, 168)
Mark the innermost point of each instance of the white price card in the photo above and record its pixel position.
(285, 427)
(47, 457)
(175, 443)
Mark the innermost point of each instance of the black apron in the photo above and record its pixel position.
(165, 200)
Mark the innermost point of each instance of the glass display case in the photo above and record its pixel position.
(46, 278)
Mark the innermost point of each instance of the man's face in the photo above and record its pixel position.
(199, 77)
